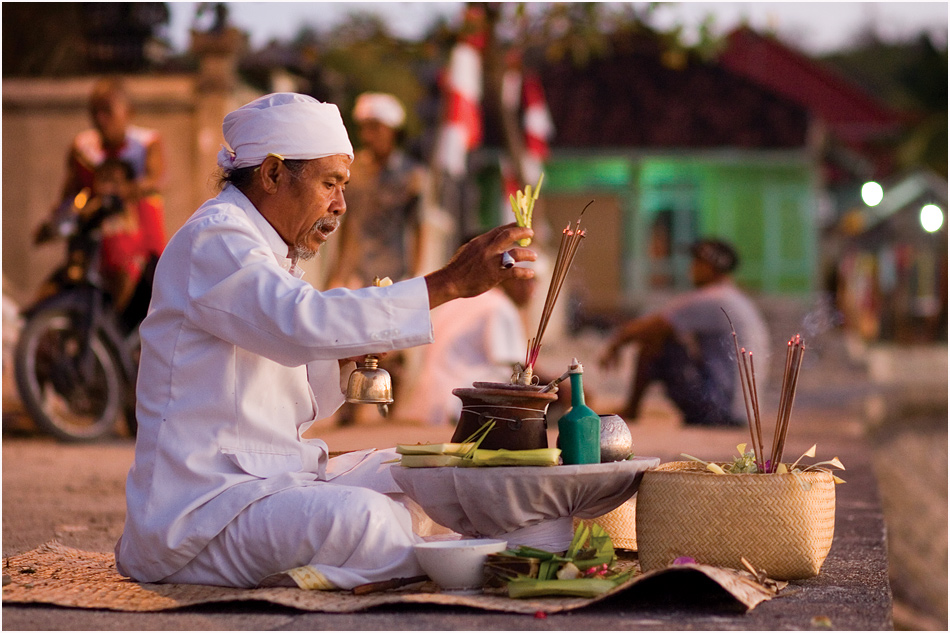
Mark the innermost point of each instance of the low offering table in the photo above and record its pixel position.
(525, 505)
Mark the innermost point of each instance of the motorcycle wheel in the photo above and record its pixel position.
(72, 405)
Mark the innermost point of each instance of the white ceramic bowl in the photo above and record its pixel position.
(457, 566)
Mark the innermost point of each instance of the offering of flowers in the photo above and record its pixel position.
(522, 203)
(684, 510)
(587, 569)
(746, 464)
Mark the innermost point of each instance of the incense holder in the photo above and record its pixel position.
(518, 411)
(780, 523)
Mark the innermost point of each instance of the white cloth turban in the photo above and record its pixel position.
(293, 126)
(380, 106)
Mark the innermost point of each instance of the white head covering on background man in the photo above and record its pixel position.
(379, 106)
(290, 125)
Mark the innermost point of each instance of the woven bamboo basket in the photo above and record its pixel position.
(620, 524)
(770, 520)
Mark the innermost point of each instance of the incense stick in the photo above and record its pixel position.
(759, 447)
(793, 367)
(567, 249)
(749, 396)
(758, 424)
(781, 402)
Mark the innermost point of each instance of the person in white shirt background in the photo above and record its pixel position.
(240, 357)
(477, 339)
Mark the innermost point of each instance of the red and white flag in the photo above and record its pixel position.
(461, 129)
(527, 93)
(538, 126)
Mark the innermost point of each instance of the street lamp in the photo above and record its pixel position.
(872, 193)
(931, 218)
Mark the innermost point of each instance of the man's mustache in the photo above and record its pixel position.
(326, 225)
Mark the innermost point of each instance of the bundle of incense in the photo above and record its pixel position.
(570, 241)
(793, 366)
(749, 396)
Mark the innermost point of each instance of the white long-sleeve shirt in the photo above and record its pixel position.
(239, 358)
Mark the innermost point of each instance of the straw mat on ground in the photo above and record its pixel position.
(56, 574)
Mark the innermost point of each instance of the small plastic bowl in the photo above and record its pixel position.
(457, 566)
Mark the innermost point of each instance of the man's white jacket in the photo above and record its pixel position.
(239, 358)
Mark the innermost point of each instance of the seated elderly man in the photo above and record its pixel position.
(240, 357)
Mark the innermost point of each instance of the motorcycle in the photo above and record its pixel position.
(76, 359)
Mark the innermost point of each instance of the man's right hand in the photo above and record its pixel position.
(476, 267)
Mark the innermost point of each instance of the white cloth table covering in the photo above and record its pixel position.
(495, 502)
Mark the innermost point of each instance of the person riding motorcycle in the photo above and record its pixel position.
(133, 240)
(114, 140)
(133, 237)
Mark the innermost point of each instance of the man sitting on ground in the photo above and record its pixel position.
(688, 345)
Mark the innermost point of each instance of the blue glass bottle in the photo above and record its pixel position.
(579, 428)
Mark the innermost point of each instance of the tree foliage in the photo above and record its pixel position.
(70, 38)
(910, 76)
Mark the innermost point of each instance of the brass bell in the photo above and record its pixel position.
(370, 384)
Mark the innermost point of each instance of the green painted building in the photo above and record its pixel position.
(649, 207)
(671, 149)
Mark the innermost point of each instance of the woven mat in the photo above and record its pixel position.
(56, 574)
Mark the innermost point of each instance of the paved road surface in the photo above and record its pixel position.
(75, 495)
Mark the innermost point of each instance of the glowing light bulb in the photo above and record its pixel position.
(872, 193)
(931, 218)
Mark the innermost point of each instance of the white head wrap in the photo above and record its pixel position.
(380, 106)
(293, 126)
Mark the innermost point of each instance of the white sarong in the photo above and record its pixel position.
(343, 530)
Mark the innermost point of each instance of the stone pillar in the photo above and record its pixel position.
(218, 91)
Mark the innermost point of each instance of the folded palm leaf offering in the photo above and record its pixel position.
(429, 461)
(482, 457)
(586, 569)
(445, 448)
(467, 453)
(505, 457)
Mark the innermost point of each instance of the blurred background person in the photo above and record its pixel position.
(381, 235)
(476, 339)
(134, 150)
(114, 136)
(688, 344)
(117, 240)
